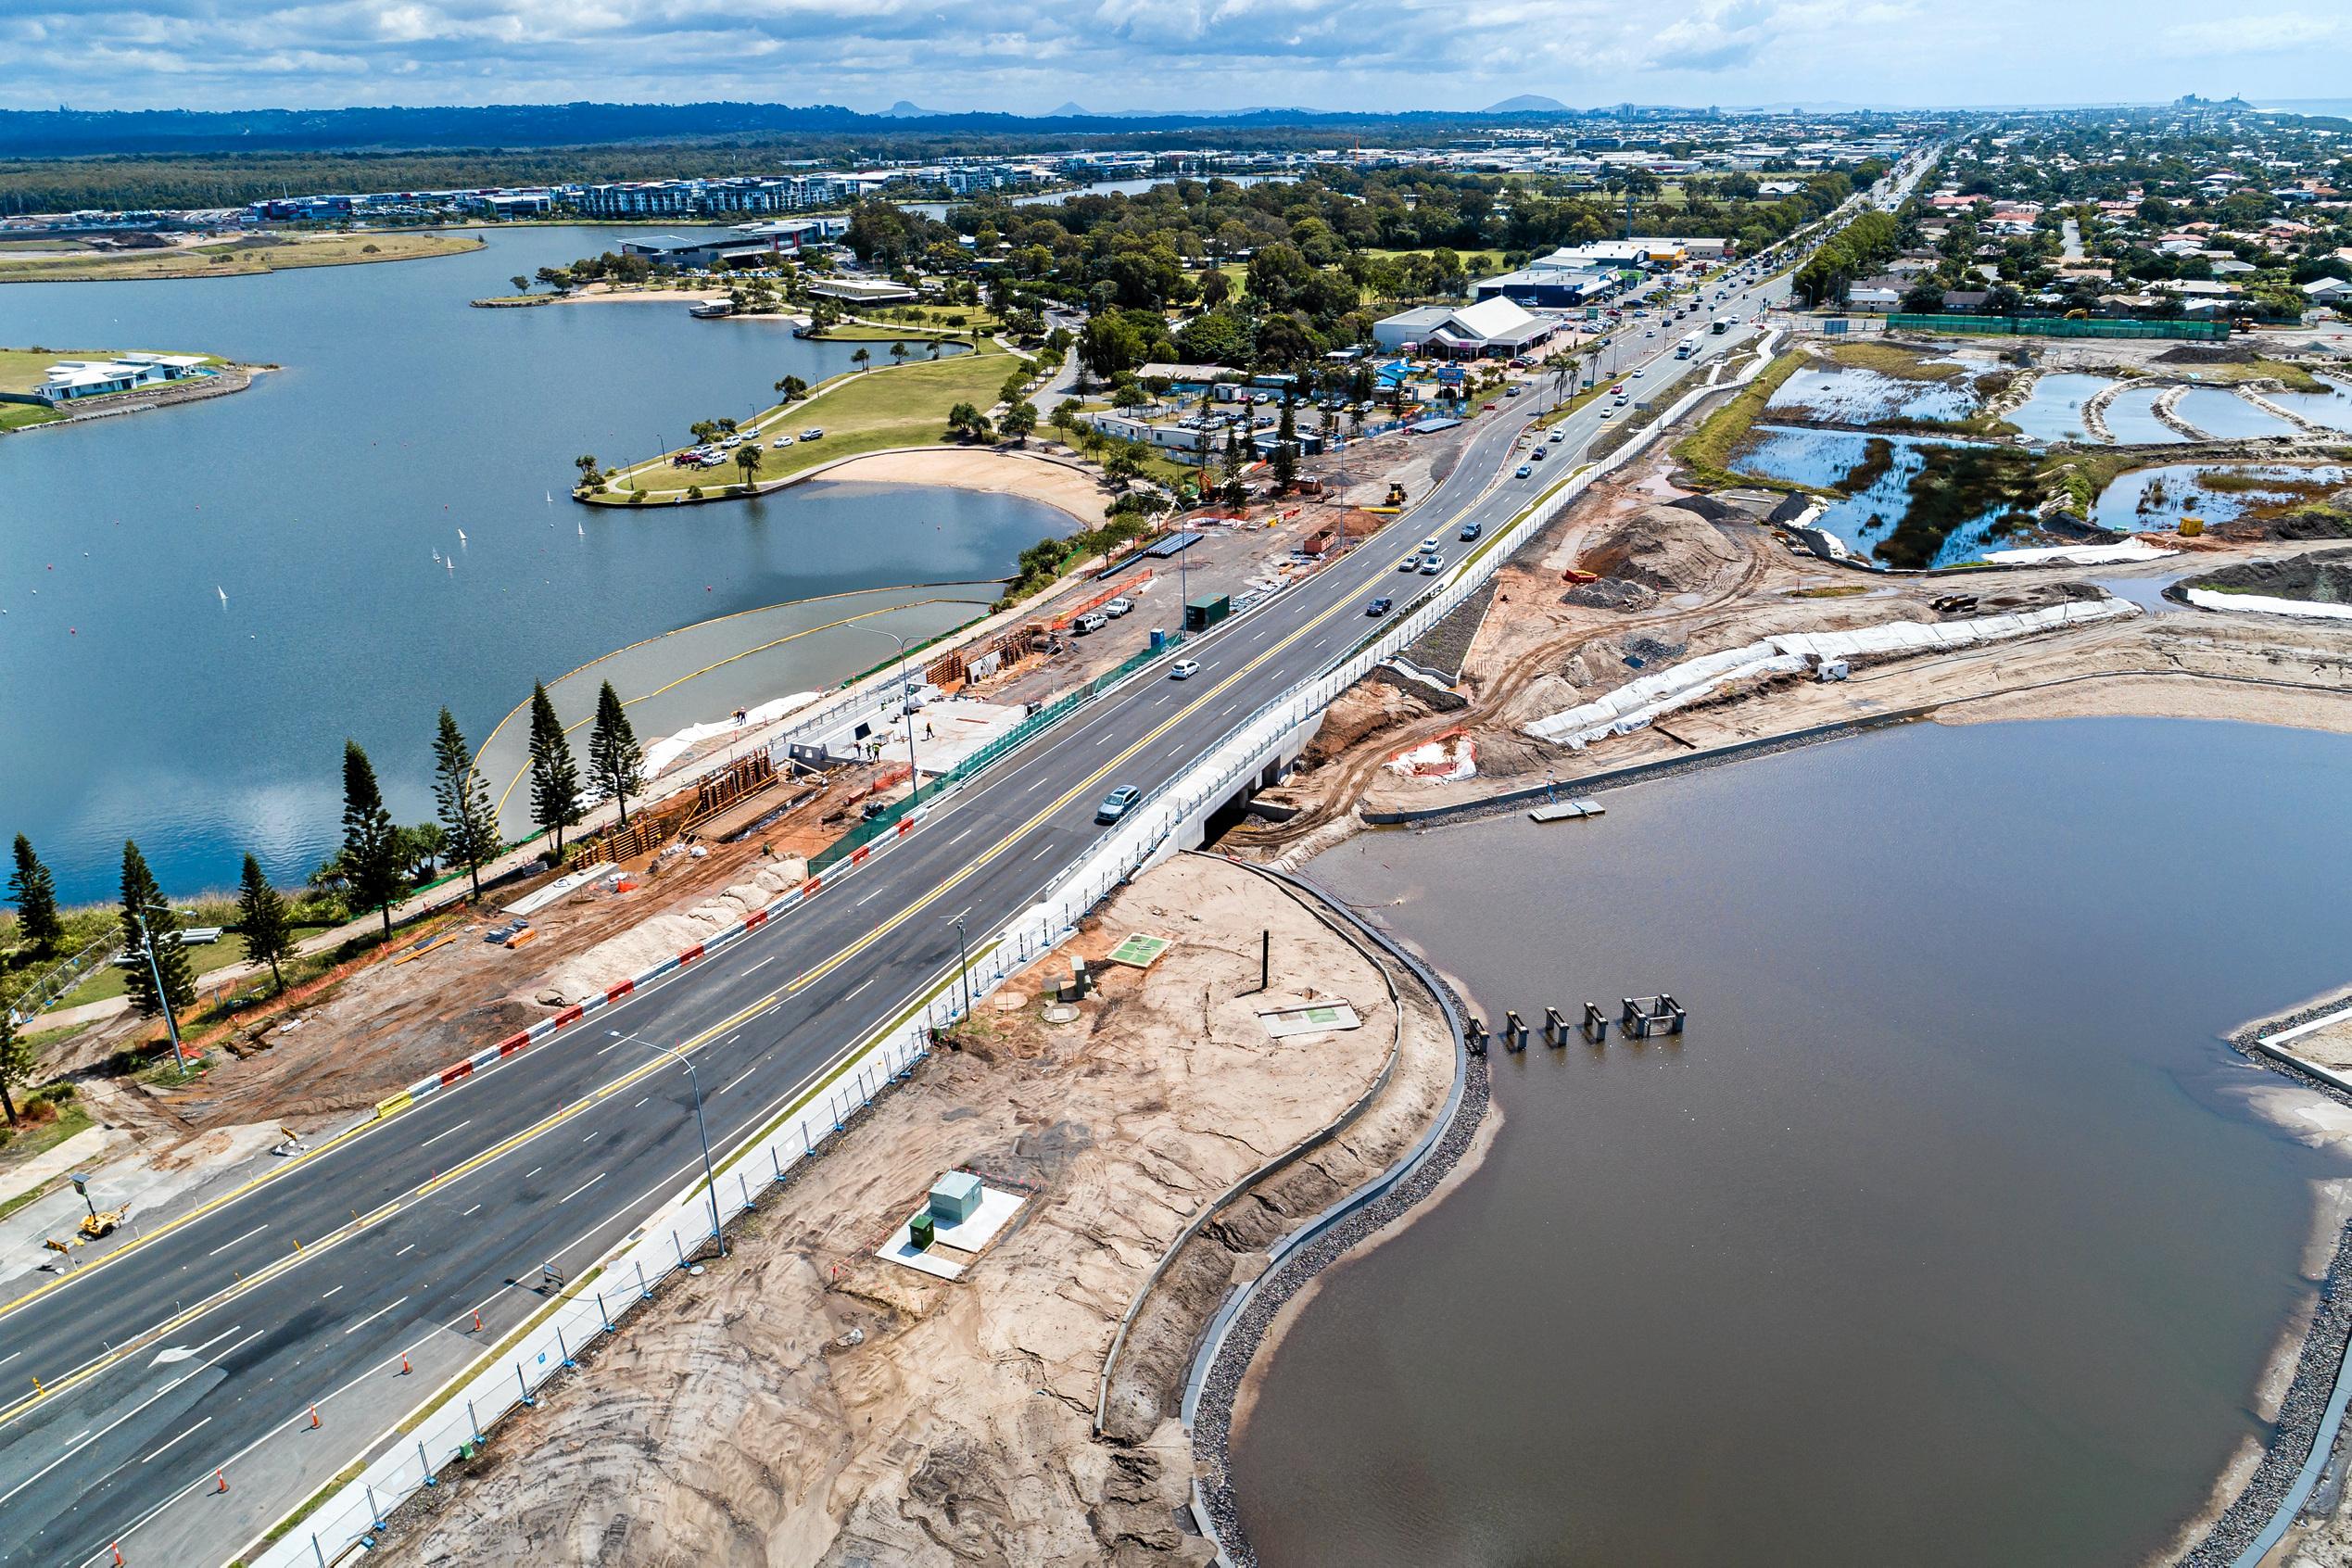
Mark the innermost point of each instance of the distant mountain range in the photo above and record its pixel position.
(1528, 103)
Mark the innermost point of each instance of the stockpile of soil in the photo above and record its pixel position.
(1666, 548)
(1610, 593)
(1379, 702)
(2205, 354)
(2324, 576)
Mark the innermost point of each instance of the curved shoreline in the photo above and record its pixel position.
(1221, 1367)
(1058, 481)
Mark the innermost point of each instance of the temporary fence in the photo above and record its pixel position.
(2060, 327)
(923, 795)
(455, 1425)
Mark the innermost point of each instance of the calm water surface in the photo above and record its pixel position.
(1943, 1237)
(134, 703)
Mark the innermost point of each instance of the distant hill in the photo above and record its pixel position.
(1528, 103)
(904, 110)
(1070, 111)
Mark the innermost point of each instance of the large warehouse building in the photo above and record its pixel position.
(1491, 329)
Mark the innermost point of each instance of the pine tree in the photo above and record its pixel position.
(262, 918)
(1285, 455)
(371, 857)
(144, 915)
(614, 756)
(555, 777)
(17, 1066)
(462, 802)
(35, 893)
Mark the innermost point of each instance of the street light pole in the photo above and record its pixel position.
(155, 973)
(710, 1176)
(963, 965)
(913, 774)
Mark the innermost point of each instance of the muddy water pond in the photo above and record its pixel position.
(2158, 498)
(1946, 1236)
(2054, 410)
(1886, 514)
(1865, 397)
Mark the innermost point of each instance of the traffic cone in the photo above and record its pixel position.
(117, 1554)
(314, 1418)
(404, 1363)
(222, 1479)
(477, 1320)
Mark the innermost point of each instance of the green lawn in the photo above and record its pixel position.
(886, 406)
(22, 370)
(243, 254)
(109, 980)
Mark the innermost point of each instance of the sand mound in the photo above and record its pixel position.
(1665, 547)
(666, 935)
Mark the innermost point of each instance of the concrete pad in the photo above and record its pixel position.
(996, 1210)
(1312, 1017)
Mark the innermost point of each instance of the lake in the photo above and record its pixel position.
(326, 502)
(1945, 1235)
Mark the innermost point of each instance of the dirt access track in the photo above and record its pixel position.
(1682, 573)
(804, 1402)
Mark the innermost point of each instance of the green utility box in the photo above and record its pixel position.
(920, 1233)
(1207, 611)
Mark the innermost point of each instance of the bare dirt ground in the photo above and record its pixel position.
(803, 1402)
(1683, 574)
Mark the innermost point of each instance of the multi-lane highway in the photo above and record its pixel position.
(554, 1155)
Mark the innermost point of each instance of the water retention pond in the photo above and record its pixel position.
(1951, 1232)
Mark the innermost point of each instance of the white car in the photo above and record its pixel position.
(781, 442)
(1118, 607)
(1429, 544)
(1184, 669)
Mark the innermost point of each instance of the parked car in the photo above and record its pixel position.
(1526, 470)
(1184, 669)
(1472, 530)
(781, 442)
(813, 433)
(1088, 622)
(1118, 607)
(1379, 606)
(1114, 805)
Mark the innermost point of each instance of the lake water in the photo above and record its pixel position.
(2222, 413)
(2330, 407)
(325, 500)
(2131, 419)
(2053, 412)
(2160, 497)
(1945, 1237)
(1864, 520)
(1864, 396)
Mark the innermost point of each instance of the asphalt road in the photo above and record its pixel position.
(555, 1154)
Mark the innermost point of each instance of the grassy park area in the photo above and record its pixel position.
(22, 370)
(241, 255)
(864, 412)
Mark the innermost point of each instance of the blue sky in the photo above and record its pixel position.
(1160, 54)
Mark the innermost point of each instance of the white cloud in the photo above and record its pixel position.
(2279, 31)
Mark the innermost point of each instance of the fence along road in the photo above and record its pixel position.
(449, 1209)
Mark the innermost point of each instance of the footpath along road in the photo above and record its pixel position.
(267, 1335)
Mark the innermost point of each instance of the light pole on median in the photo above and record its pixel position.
(154, 972)
(710, 1176)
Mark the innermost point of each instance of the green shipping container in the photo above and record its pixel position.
(1207, 611)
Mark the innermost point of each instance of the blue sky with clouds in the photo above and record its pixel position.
(1114, 55)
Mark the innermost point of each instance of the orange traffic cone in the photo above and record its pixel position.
(477, 1321)
(404, 1363)
(314, 1418)
(222, 1479)
(117, 1554)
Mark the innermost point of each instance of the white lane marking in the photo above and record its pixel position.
(1107, 735)
(860, 987)
(1041, 855)
(859, 904)
(247, 1237)
(406, 1250)
(959, 838)
(533, 1172)
(189, 1432)
(1041, 780)
(735, 1080)
(459, 1128)
(372, 1316)
(584, 1186)
(9, 1356)
(81, 1440)
(640, 1102)
(330, 1292)
(619, 1040)
(469, 1211)
(769, 959)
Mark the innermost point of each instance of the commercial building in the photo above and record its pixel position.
(862, 291)
(69, 380)
(1493, 328)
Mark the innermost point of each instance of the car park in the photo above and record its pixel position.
(1114, 805)
(1379, 606)
(1184, 669)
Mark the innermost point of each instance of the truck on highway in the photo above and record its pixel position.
(1720, 324)
(1687, 347)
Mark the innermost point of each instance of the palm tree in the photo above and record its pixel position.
(748, 459)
